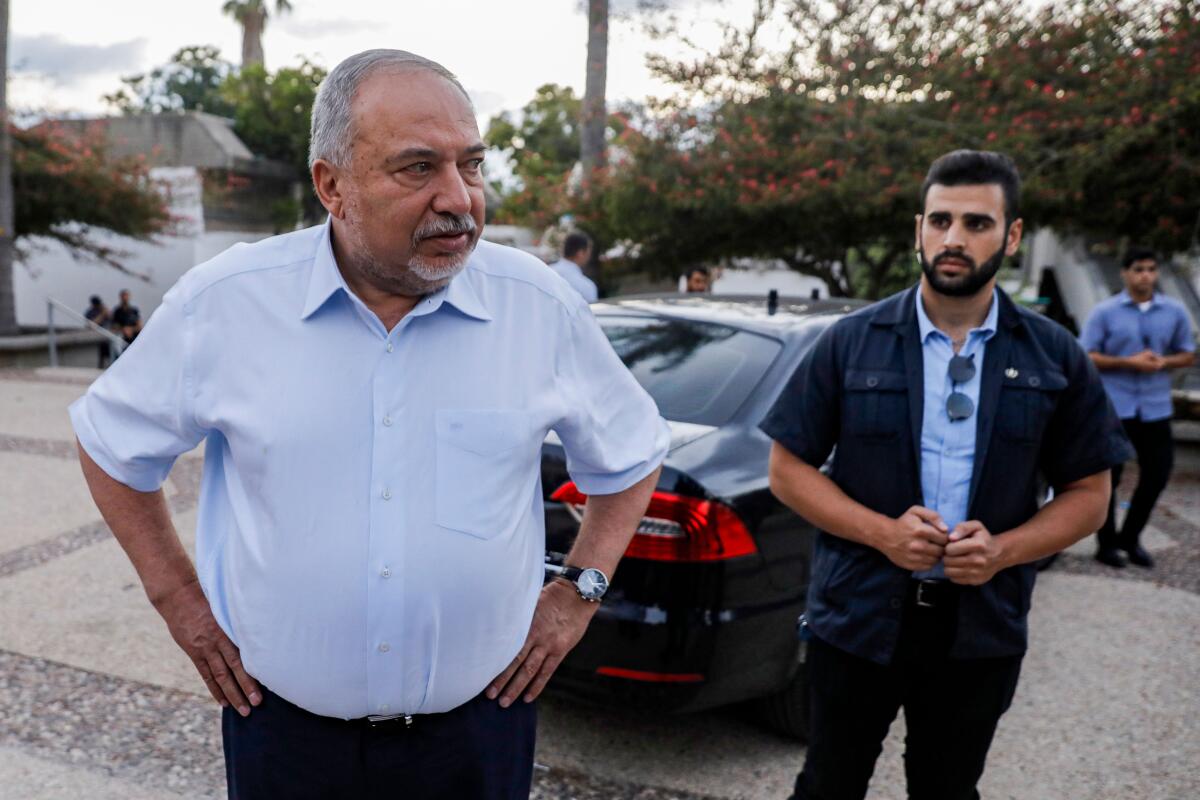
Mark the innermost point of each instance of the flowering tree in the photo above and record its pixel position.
(64, 187)
(807, 134)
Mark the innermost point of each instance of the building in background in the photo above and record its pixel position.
(219, 193)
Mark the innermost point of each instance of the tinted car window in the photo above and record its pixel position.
(695, 371)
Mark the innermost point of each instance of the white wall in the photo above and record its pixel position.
(51, 271)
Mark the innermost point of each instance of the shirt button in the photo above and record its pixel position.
(386, 572)
(383, 709)
(895, 603)
(387, 421)
(383, 648)
(390, 347)
(387, 494)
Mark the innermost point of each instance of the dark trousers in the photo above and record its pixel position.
(951, 707)
(1155, 457)
(478, 751)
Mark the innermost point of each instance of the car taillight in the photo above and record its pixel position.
(650, 677)
(679, 528)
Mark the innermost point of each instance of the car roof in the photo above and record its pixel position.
(749, 312)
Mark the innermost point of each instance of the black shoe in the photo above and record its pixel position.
(1139, 556)
(1111, 556)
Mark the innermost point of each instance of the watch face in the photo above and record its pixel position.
(592, 583)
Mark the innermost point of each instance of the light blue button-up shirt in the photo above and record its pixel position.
(570, 272)
(370, 529)
(1117, 327)
(948, 447)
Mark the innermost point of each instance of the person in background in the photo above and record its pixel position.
(947, 404)
(577, 249)
(126, 319)
(697, 280)
(97, 313)
(1136, 338)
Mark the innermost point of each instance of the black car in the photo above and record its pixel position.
(705, 607)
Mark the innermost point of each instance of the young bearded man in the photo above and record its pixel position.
(946, 403)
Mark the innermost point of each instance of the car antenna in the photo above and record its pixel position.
(772, 302)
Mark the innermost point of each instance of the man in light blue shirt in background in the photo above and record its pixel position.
(1135, 339)
(577, 250)
(367, 602)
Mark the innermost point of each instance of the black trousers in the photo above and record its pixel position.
(1155, 457)
(951, 707)
(478, 751)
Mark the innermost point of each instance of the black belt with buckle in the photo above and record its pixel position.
(394, 721)
(932, 594)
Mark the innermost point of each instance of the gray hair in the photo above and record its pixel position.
(332, 131)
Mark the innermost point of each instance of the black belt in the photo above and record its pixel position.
(391, 721)
(932, 593)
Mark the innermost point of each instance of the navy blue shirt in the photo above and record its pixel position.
(1043, 419)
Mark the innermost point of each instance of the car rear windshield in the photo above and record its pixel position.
(695, 371)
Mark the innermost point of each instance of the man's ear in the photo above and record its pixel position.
(917, 232)
(326, 180)
(1014, 237)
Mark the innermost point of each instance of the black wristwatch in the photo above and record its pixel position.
(590, 582)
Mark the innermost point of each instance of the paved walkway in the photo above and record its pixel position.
(96, 701)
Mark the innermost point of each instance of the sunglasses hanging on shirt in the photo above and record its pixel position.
(958, 405)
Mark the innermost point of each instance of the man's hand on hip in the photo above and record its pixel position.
(915, 540)
(559, 622)
(190, 620)
(973, 555)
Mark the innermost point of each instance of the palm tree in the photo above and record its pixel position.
(8, 305)
(592, 128)
(252, 16)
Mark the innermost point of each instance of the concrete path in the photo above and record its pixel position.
(97, 702)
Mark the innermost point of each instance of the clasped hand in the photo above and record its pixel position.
(919, 539)
(1147, 361)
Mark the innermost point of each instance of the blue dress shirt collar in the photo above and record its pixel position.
(326, 279)
(988, 328)
(1124, 299)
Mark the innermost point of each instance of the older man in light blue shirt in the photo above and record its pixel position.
(373, 394)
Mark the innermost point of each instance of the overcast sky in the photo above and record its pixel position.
(67, 53)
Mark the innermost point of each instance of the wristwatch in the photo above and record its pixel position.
(590, 582)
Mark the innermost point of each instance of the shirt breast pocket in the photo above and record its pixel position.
(875, 404)
(486, 466)
(1026, 403)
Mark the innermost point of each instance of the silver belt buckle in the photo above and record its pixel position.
(375, 720)
(921, 601)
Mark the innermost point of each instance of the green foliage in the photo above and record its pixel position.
(63, 184)
(542, 144)
(190, 81)
(271, 110)
(544, 140)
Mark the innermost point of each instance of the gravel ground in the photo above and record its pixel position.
(1177, 515)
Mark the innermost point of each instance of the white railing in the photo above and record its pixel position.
(118, 344)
